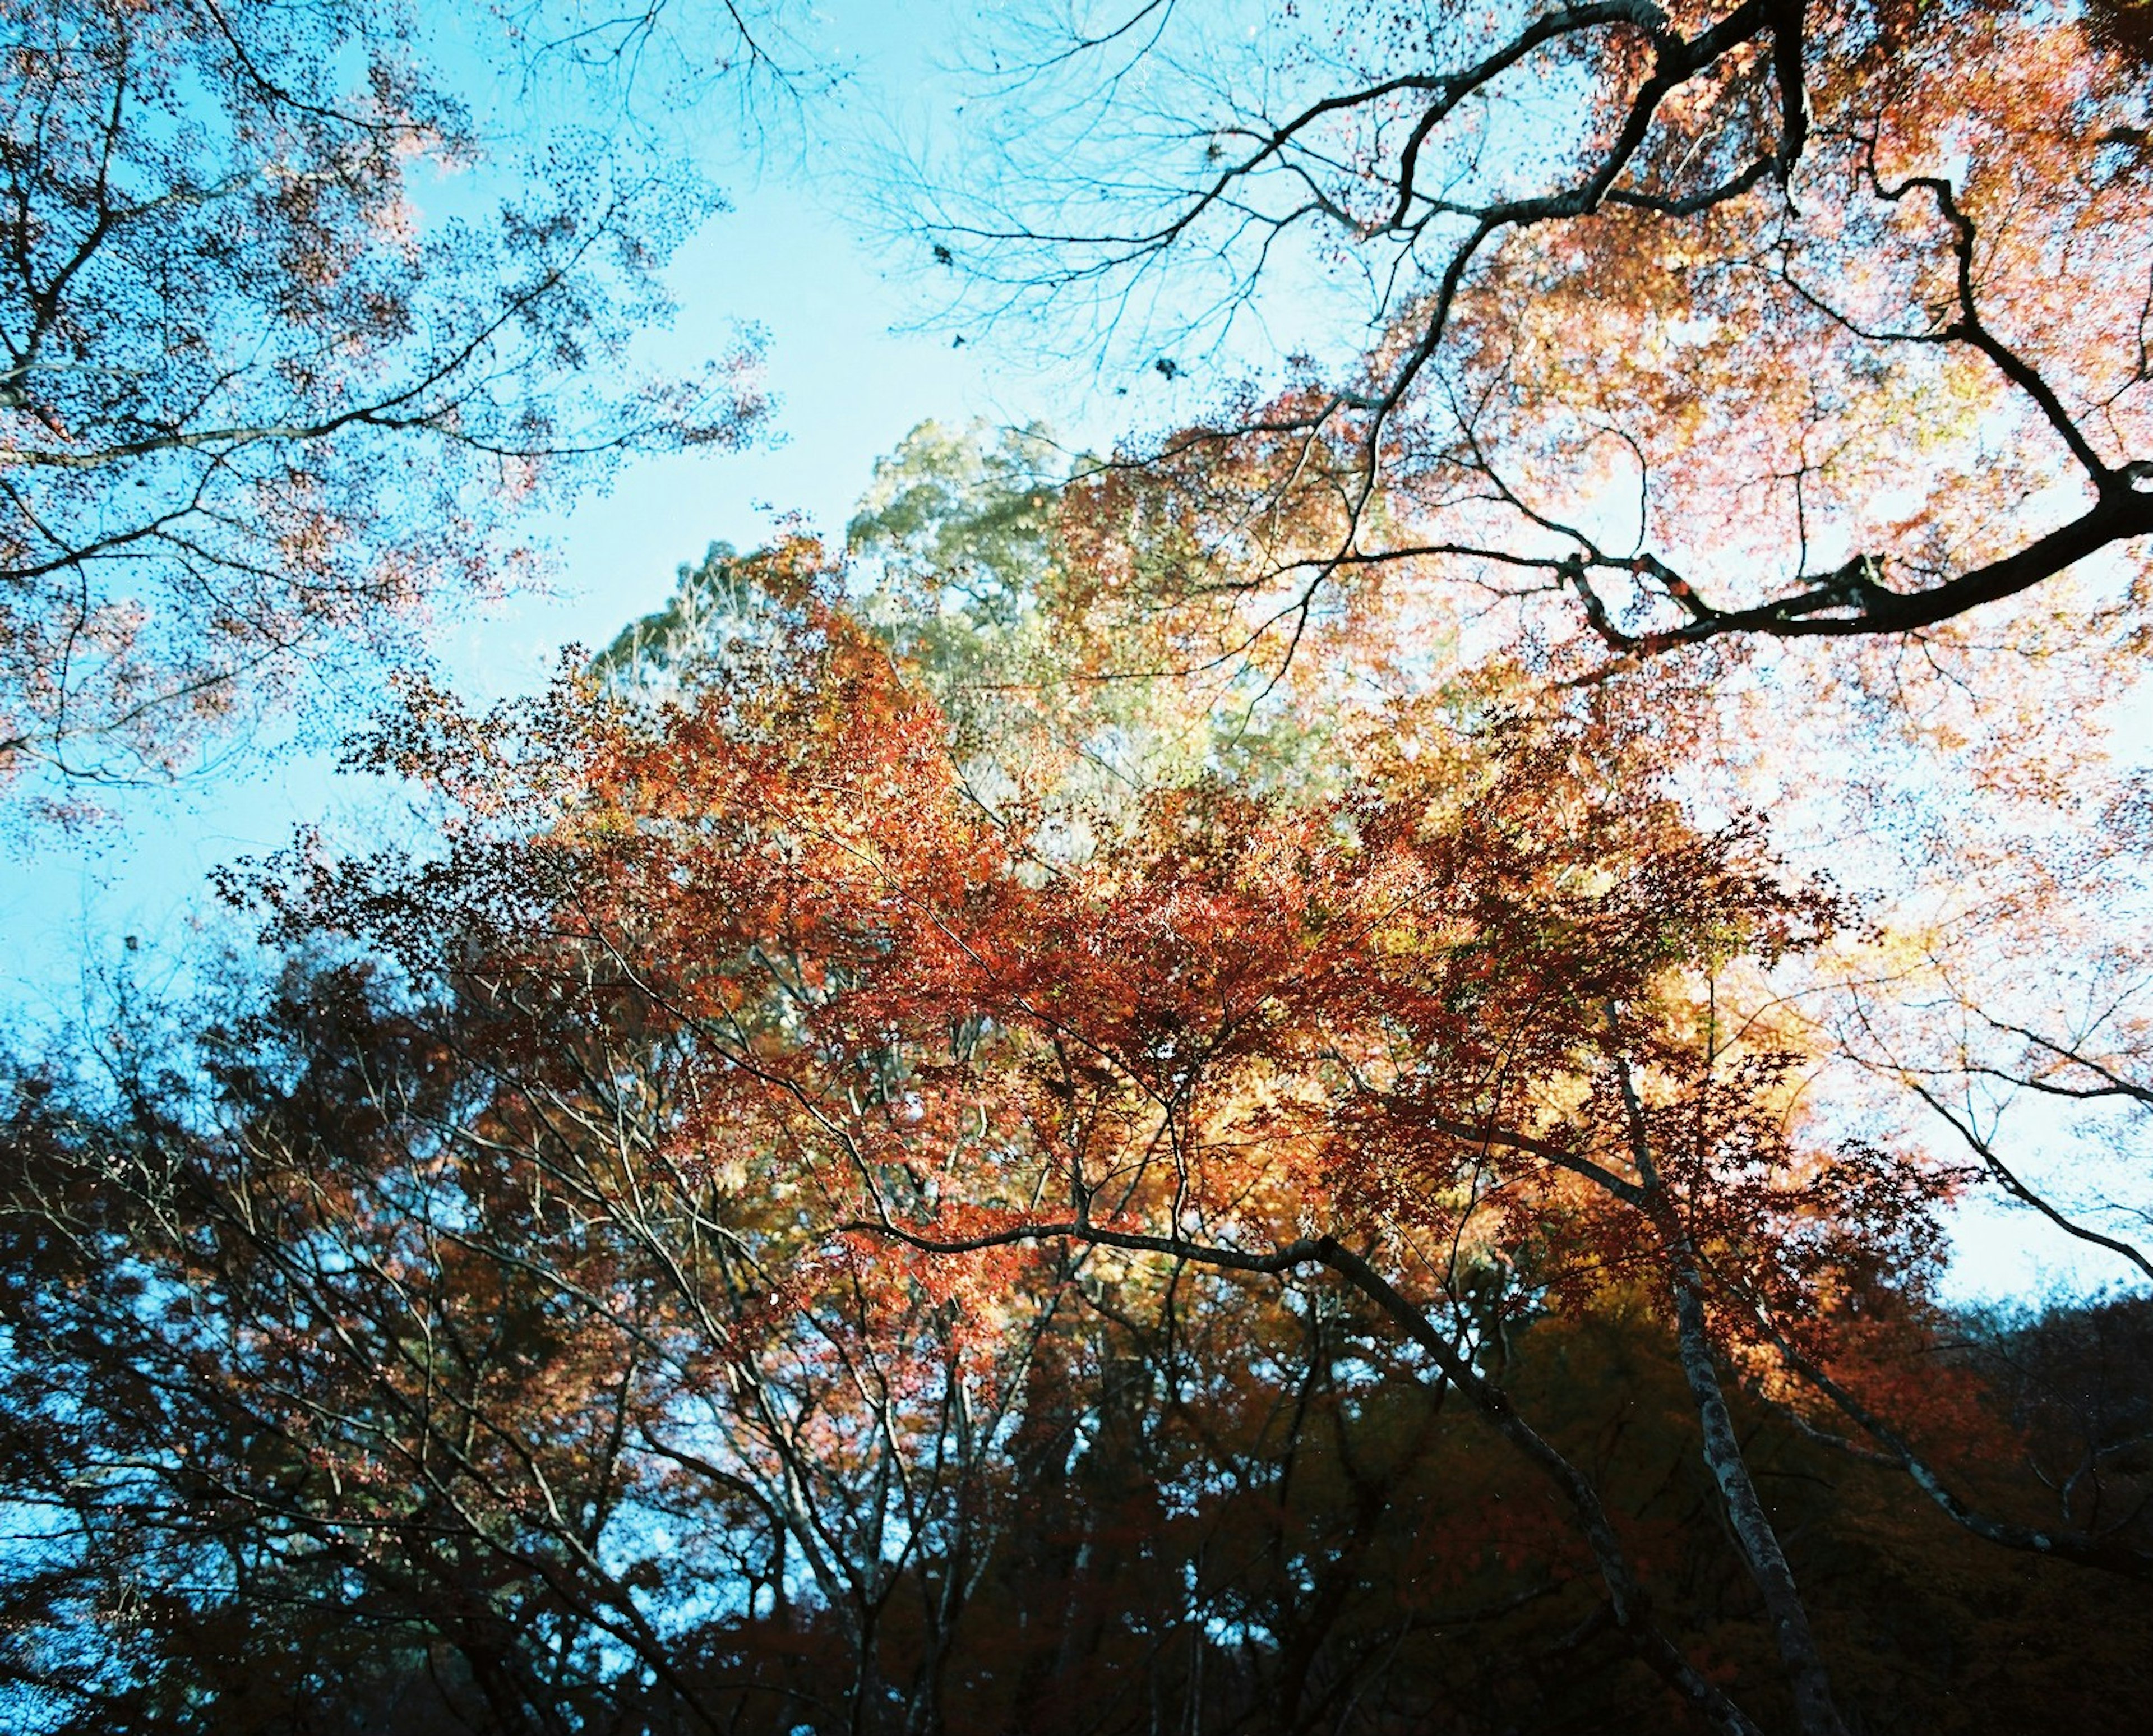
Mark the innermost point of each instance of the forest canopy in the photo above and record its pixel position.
(1312, 1070)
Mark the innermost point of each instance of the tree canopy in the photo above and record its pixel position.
(267, 389)
(1308, 1075)
(1770, 319)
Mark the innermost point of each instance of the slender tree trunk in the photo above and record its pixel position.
(1816, 1710)
(1814, 1707)
(1628, 1607)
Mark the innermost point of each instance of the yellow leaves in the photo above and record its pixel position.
(597, 828)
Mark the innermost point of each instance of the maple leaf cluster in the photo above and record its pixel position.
(1477, 1033)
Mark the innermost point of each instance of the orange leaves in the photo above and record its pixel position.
(1836, 312)
(1255, 1015)
(939, 1066)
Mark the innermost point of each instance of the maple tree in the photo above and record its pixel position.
(1771, 319)
(1778, 367)
(402, 1324)
(1455, 1036)
(796, 1213)
(264, 389)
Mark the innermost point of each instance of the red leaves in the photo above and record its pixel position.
(1394, 1012)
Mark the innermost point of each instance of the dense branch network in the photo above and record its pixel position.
(1757, 284)
(260, 395)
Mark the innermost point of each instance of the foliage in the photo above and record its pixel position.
(851, 1092)
(372, 1390)
(1215, 1087)
(271, 384)
(1784, 319)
